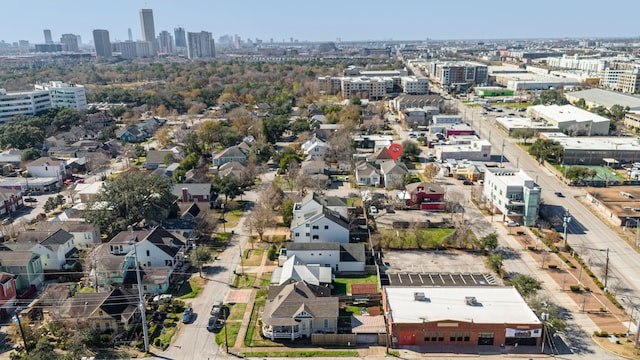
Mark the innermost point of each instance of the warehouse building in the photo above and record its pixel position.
(460, 316)
(574, 120)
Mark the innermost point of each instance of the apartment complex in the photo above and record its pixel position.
(45, 96)
(373, 85)
(513, 193)
(24, 102)
(458, 73)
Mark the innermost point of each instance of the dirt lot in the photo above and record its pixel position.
(384, 219)
(441, 261)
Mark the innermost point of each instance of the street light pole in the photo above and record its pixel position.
(226, 339)
(606, 270)
(143, 310)
(502, 154)
(566, 219)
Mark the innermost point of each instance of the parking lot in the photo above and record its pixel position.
(435, 261)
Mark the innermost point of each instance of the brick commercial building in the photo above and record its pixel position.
(459, 316)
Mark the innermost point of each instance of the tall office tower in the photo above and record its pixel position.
(69, 42)
(79, 40)
(148, 29)
(200, 45)
(181, 39)
(165, 42)
(130, 34)
(47, 37)
(102, 43)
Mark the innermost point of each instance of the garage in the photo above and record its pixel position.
(368, 329)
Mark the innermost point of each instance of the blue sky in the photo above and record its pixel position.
(324, 20)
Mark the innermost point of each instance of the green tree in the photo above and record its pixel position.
(168, 159)
(579, 172)
(65, 118)
(274, 127)
(524, 134)
(200, 256)
(189, 162)
(489, 243)
(286, 210)
(410, 151)
(551, 97)
(581, 103)
(30, 154)
(191, 143)
(262, 151)
(494, 262)
(525, 284)
(128, 199)
(300, 125)
(229, 186)
(618, 112)
(547, 149)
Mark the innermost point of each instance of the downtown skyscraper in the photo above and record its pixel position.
(148, 29)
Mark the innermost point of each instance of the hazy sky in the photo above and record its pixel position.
(325, 19)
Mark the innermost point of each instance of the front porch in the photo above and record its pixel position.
(290, 332)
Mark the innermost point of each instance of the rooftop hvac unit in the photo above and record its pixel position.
(419, 296)
(471, 300)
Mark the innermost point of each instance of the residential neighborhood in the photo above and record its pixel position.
(180, 197)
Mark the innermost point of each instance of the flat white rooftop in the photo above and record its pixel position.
(513, 122)
(494, 305)
(606, 98)
(567, 113)
(511, 176)
(626, 143)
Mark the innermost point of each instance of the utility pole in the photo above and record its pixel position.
(606, 270)
(143, 309)
(502, 154)
(24, 339)
(225, 313)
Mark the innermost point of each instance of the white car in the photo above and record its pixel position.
(511, 223)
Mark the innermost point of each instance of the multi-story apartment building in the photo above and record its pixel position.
(69, 42)
(23, 103)
(165, 42)
(415, 85)
(628, 81)
(44, 97)
(458, 73)
(65, 95)
(200, 45)
(365, 88)
(513, 193)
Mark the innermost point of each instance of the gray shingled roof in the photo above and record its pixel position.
(286, 301)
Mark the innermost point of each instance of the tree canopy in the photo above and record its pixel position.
(551, 97)
(547, 149)
(128, 199)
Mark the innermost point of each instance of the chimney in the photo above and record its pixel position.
(185, 195)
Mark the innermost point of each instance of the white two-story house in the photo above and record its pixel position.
(320, 225)
(56, 249)
(46, 167)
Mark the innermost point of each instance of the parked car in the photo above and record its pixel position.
(216, 308)
(559, 194)
(467, 182)
(212, 324)
(187, 314)
(30, 200)
(511, 223)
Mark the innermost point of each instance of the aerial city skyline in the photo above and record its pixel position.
(349, 22)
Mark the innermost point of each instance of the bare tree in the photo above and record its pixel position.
(262, 217)
(96, 160)
(293, 172)
(430, 171)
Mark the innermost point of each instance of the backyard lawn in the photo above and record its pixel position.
(342, 285)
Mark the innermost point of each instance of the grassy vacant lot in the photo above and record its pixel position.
(431, 238)
(252, 257)
(236, 311)
(342, 285)
(232, 328)
(244, 281)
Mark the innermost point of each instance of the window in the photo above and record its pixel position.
(297, 234)
(307, 225)
(326, 227)
(467, 336)
(326, 323)
(452, 336)
(459, 337)
(315, 227)
(307, 234)
(316, 237)
(148, 253)
(440, 336)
